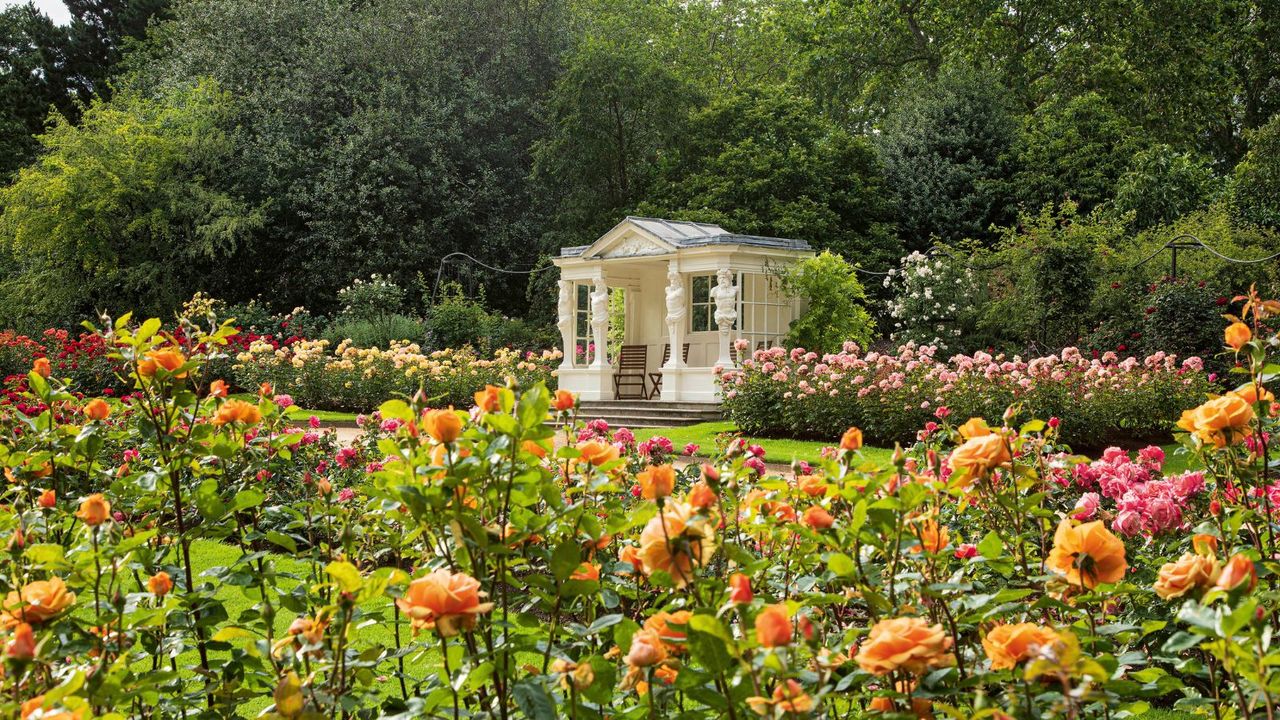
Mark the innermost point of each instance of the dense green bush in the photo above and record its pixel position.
(376, 331)
(835, 309)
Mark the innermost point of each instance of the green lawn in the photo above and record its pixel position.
(784, 451)
(301, 414)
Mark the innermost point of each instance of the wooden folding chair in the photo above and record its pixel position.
(631, 370)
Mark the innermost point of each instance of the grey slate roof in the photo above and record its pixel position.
(691, 234)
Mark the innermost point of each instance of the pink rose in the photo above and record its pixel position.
(1087, 506)
(1127, 523)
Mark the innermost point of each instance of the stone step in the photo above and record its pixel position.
(649, 405)
(588, 411)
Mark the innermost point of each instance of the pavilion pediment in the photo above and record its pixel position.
(628, 239)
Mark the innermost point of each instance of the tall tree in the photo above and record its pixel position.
(35, 79)
(946, 151)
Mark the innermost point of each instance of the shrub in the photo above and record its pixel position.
(457, 321)
(377, 297)
(835, 308)
(935, 299)
(1098, 400)
(378, 331)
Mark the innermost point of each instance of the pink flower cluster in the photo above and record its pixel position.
(1146, 503)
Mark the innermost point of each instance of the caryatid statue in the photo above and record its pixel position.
(725, 295)
(677, 309)
(600, 323)
(565, 322)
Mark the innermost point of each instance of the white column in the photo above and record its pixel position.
(566, 322)
(677, 311)
(725, 295)
(600, 323)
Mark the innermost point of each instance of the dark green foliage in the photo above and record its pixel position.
(376, 332)
(945, 148)
(1183, 318)
(1257, 177)
(1161, 185)
(766, 163)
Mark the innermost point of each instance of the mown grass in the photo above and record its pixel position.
(782, 450)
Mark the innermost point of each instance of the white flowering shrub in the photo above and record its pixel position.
(369, 299)
(934, 300)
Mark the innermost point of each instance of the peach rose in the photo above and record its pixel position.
(445, 601)
(97, 409)
(237, 411)
(974, 427)
(48, 499)
(932, 536)
(740, 589)
(29, 708)
(701, 495)
(685, 542)
(657, 482)
(37, 602)
(160, 584)
(94, 510)
(41, 367)
(1236, 335)
(586, 571)
(1087, 553)
(444, 426)
(812, 485)
(564, 401)
(851, 440)
(167, 359)
(1190, 572)
(218, 389)
(1221, 421)
(1249, 393)
(905, 643)
(788, 699)
(818, 518)
(980, 455)
(647, 649)
(1008, 645)
(670, 627)
(773, 626)
(22, 646)
(1238, 572)
(598, 452)
(489, 399)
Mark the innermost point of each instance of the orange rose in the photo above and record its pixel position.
(30, 707)
(489, 399)
(701, 495)
(974, 427)
(167, 359)
(218, 389)
(160, 584)
(237, 411)
(1087, 553)
(265, 389)
(1249, 394)
(851, 440)
(812, 485)
(534, 448)
(598, 452)
(97, 409)
(933, 537)
(657, 481)
(788, 699)
(22, 646)
(586, 571)
(630, 554)
(1205, 544)
(1190, 572)
(311, 630)
(48, 499)
(445, 601)
(740, 589)
(674, 542)
(564, 401)
(818, 518)
(906, 643)
(444, 426)
(1220, 421)
(670, 628)
(1008, 645)
(94, 510)
(1238, 572)
(980, 455)
(773, 626)
(41, 367)
(1236, 335)
(36, 602)
(646, 650)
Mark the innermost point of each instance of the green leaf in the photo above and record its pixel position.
(710, 643)
(533, 700)
(565, 560)
(840, 564)
(397, 409)
(991, 546)
(282, 540)
(246, 499)
(208, 502)
(346, 574)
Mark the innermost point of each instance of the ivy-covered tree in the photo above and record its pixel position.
(1162, 184)
(122, 212)
(835, 310)
(1257, 177)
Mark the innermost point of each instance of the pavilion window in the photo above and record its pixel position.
(702, 309)
(583, 344)
(764, 312)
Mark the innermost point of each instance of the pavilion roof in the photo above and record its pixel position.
(683, 234)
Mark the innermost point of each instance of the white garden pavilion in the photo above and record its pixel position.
(682, 283)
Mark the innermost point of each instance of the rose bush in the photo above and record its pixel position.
(890, 396)
(481, 561)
